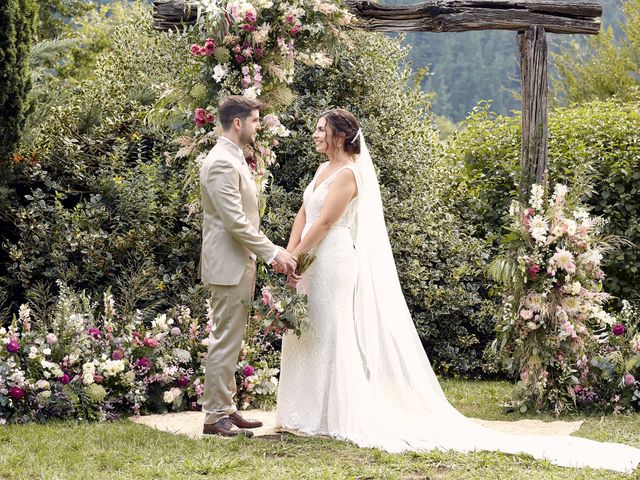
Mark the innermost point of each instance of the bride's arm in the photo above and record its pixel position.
(340, 193)
(296, 229)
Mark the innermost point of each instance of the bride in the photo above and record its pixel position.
(359, 372)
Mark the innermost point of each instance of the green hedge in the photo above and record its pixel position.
(594, 147)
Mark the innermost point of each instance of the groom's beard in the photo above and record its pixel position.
(247, 140)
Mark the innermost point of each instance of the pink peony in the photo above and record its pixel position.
(94, 332)
(16, 393)
(150, 342)
(248, 370)
(117, 354)
(209, 47)
(13, 346)
(618, 329)
(64, 379)
(195, 49)
(629, 380)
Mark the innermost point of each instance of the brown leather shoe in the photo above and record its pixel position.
(240, 422)
(224, 427)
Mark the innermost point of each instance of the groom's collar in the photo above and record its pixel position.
(235, 149)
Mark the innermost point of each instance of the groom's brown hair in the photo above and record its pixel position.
(236, 106)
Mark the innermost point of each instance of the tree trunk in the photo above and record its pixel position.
(466, 15)
(532, 45)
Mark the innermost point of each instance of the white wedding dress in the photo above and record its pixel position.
(360, 373)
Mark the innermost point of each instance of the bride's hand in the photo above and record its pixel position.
(293, 279)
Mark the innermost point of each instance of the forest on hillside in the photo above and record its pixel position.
(467, 67)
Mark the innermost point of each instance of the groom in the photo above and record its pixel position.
(231, 240)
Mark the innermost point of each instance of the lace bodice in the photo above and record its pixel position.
(316, 194)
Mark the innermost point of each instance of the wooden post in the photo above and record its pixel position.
(532, 44)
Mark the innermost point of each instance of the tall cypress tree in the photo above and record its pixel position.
(17, 29)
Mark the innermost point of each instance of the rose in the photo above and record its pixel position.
(16, 393)
(248, 370)
(195, 49)
(52, 339)
(64, 379)
(150, 342)
(618, 329)
(629, 380)
(13, 346)
(209, 46)
(117, 354)
(200, 117)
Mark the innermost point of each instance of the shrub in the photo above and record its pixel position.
(593, 148)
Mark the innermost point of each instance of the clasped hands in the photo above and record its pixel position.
(286, 264)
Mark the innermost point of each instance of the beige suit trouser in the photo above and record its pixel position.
(230, 305)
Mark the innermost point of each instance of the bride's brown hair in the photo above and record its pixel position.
(344, 124)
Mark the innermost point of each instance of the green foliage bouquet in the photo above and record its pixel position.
(552, 296)
(283, 307)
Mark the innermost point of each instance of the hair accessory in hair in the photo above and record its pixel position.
(356, 135)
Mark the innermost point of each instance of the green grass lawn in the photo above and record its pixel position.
(124, 450)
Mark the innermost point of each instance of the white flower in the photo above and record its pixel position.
(563, 259)
(161, 323)
(43, 385)
(537, 191)
(168, 396)
(181, 356)
(560, 191)
(111, 368)
(219, 72)
(251, 93)
(591, 257)
(539, 228)
(581, 214)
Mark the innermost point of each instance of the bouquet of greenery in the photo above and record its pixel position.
(281, 307)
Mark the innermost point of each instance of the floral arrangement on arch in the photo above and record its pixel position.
(251, 48)
(76, 363)
(553, 298)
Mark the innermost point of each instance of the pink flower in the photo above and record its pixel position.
(98, 378)
(13, 346)
(526, 314)
(175, 331)
(94, 332)
(248, 370)
(271, 121)
(618, 329)
(250, 16)
(183, 381)
(209, 46)
(239, 58)
(295, 29)
(533, 271)
(64, 379)
(143, 362)
(150, 342)
(210, 118)
(266, 297)
(117, 354)
(195, 49)
(16, 393)
(629, 380)
(52, 339)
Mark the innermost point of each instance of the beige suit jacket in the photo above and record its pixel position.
(231, 217)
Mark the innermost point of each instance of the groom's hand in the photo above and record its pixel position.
(284, 262)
